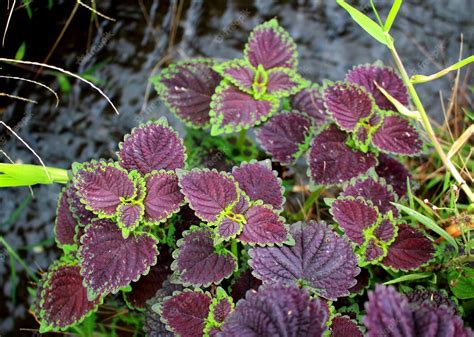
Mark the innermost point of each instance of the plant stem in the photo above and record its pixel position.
(311, 199)
(242, 138)
(234, 249)
(428, 128)
(12, 252)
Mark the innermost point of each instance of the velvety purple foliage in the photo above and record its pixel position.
(185, 313)
(374, 190)
(110, 262)
(343, 326)
(63, 300)
(394, 173)
(163, 196)
(130, 215)
(431, 297)
(271, 46)
(284, 136)
(347, 104)
(186, 88)
(198, 263)
(396, 135)
(208, 192)
(242, 283)
(152, 146)
(239, 72)
(363, 280)
(228, 228)
(282, 82)
(373, 251)
(366, 76)
(310, 102)
(263, 226)
(385, 231)
(354, 215)
(410, 249)
(102, 186)
(65, 225)
(277, 310)
(221, 310)
(319, 259)
(332, 161)
(82, 215)
(260, 182)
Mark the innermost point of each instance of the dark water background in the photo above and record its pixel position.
(122, 55)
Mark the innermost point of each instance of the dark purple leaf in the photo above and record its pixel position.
(243, 282)
(283, 82)
(110, 262)
(285, 136)
(65, 225)
(64, 299)
(186, 88)
(185, 313)
(397, 135)
(343, 326)
(163, 197)
(259, 182)
(354, 215)
(277, 310)
(209, 193)
(385, 231)
(332, 161)
(410, 250)
(348, 104)
(394, 173)
(129, 216)
(366, 76)
(373, 251)
(271, 46)
(433, 298)
(320, 259)
(198, 263)
(152, 146)
(239, 72)
(363, 280)
(229, 228)
(82, 215)
(234, 110)
(310, 102)
(221, 310)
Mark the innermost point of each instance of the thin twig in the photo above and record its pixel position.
(8, 22)
(95, 11)
(37, 83)
(18, 97)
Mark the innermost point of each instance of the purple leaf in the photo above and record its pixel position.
(277, 311)
(234, 110)
(354, 215)
(65, 225)
(185, 313)
(331, 161)
(271, 46)
(186, 88)
(239, 72)
(373, 251)
(63, 299)
(285, 137)
(343, 326)
(243, 282)
(79, 211)
(374, 190)
(433, 298)
(348, 104)
(310, 102)
(110, 262)
(320, 259)
(209, 193)
(152, 146)
(410, 250)
(394, 173)
(363, 280)
(129, 216)
(221, 310)
(259, 182)
(366, 76)
(163, 197)
(229, 227)
(283, 82)
(398, 136)
(263, 226)
(385, 231)
(198, 263)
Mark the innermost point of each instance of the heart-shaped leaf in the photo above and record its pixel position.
(319, 259)
(343, 326)
(129, 216)
(310, 102)
(152, 146)
(385, 231)
(283, 82)
(394, 173)
(238, 72)
(398, 136)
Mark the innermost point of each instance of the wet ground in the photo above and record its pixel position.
(122, 54)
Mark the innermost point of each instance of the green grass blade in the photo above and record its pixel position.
(392, 15)
(409, 277)
(416, 79)
(12, 175)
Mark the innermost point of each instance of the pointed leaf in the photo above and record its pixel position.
(398, 136)
(283, 82)
(79, 211)
(385, 231)
(319, 259)
(373, 251)
(343, 326)
(230, 226)
(310, 102)
(152, 146)
(129, 216)
(238, 72)
(431, 297)
(394, 173)
(271, 46)
(285, 137)
(110, 262)
(65, 225)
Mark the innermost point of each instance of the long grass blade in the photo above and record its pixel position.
(392, 15)
(417, 79)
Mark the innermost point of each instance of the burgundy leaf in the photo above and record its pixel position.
(373, 251)
(310, 102)
(259, 182)
(129, 216)
(198, 263)
(185, 313)
(343, 326)
(283, 82)
(221, 310)
(397, 135)
(385, 231)
(186, 88)
(410, 250)
(65, 225)
(367, 76)
(354, 215)
(363, 280)
(320, 259)
(79, 211)
(394, 173)
(239, 72)
(163, 197)
(331, 161)
(152, 146)
(433, 298)
(110, 262)
(208, 192)
(228, 228)
(285, 136)
(277, 310)
(271, 46)
(348, 104)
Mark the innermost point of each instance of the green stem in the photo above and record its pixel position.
(234, 249)
(311, 199)
(12, 252)
(242, 139)
(425, 121)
